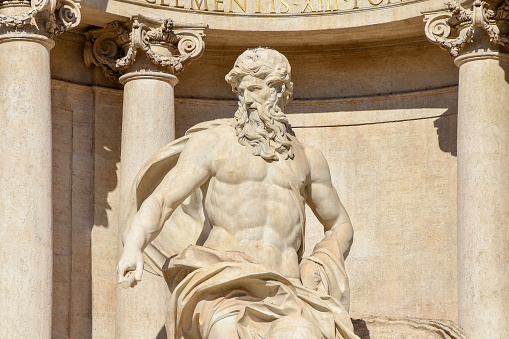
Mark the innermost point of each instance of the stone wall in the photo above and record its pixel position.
(73, 173)
(86, 152)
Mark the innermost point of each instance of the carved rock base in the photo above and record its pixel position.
(406, 328)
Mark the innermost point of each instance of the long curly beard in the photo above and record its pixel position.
(266, 133)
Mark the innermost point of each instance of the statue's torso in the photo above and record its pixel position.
(256, 207)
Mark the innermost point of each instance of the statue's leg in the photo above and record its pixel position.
(225, 328)
(294, 327)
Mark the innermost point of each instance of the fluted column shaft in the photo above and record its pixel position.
(483, 194)
(25, 186)
(26, 220)
(148, 123)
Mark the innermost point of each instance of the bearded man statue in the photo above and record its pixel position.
(220, 214)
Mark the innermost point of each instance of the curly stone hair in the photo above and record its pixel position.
(267, 64)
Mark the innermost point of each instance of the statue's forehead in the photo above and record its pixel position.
(249, 80)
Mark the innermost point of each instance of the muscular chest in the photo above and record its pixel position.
(240, 166)
(236, 168)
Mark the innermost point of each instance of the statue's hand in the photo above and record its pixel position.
(130, 268)
(311, 276)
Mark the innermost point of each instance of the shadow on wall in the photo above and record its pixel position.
(107, 166)
(447, 131)
(360, 328)
(62, 121)
(86, 129)
(107, 141)
(162, 333)
(108, 130)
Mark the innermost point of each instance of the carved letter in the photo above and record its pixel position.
(216, 2)
(375, 3)
(238, 3)
(177, 4)
(151, 1)
(354, 6)
(257, 6)
(286, 5)
(308, 3)
(198, 5)
(272, 7)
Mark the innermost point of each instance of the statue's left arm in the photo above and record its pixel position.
(323, 200)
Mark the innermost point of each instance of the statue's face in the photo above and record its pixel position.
(253, 93)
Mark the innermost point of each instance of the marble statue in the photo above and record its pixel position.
(220, 214)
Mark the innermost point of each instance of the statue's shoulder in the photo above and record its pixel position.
(210, 133)
(309, 152)
(216, 124)
(314, 157)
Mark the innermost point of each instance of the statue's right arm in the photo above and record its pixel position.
(192, 170)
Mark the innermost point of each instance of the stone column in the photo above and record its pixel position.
(148, 121)
(146, 62)
(483, 162)
(26, 254)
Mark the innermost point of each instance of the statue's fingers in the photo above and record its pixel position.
(307, 278)
(120, 272)
(309, 283)
(310, 276)
(128, 280)
(139, 270)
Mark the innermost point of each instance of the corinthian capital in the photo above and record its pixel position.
(56, 16)
(454, 27)
(166, 44)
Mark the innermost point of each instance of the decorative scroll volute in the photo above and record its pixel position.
(105, 46)
(66, 15)
(62, 15)
(166, 44)
(454, 27)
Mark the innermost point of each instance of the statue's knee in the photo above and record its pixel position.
(295, 328)
(225, 328)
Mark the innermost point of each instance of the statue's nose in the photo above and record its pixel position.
(248, 97)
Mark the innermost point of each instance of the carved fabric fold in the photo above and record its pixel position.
(208, 285)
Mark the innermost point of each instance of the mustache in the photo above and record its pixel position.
(265, 128)
(251, 106)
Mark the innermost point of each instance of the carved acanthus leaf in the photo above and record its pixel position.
(454, 27)
(167, 44)
(62, 15)
(503, 11)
